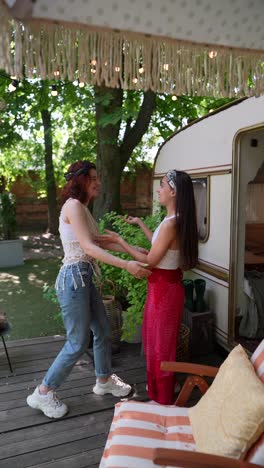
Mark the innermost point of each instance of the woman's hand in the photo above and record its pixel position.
(109, 237)
(130, 219)
(138, 269)
(141, 250)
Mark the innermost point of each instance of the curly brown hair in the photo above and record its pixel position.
(76, 184)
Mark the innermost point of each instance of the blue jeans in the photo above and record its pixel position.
(82, 309)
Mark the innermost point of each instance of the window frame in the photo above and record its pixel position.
(205, 179)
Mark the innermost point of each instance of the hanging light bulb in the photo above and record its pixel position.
(54, 91)
(13, 85)
(141, 70)
(81, 84)
(212, 54)
(174, 97)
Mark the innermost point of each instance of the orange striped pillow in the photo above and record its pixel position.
(256, 453)
(257, 360)
(138, 428)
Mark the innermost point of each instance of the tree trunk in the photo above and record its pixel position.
(53, 222)
(112, 154)
(108, 160)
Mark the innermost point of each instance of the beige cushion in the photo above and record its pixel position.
(229, 418)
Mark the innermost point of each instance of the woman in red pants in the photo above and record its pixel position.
(174, 248)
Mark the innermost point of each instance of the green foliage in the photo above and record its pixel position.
(130, 291)
(8, 224)
(49, 293)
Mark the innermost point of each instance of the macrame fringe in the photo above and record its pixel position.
(127, 60)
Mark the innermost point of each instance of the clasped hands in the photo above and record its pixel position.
(136, 268)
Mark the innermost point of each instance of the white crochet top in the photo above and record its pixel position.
(73, 251)
(171, 259)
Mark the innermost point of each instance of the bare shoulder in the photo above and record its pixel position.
(168, 228)
(72, 208)
(169, 224)
(73, 204)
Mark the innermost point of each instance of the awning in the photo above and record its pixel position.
(202, 47)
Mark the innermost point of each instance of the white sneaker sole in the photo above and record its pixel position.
(35, 405)
(101, 391)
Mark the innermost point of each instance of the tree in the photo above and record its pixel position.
(111, 126)
(113, 151)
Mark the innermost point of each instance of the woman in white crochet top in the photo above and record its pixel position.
(81, 305)
(174, 248)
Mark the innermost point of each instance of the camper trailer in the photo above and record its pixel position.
(224, 154)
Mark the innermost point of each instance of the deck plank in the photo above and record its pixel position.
(28, 438)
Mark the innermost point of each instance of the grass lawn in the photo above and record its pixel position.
(21, 297)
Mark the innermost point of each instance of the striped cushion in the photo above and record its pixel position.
(257, 360)
(256, 453)
(138, 428)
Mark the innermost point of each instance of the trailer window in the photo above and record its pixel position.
(201, 188)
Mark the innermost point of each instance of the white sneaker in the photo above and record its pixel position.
(114, 385)
(49, 404)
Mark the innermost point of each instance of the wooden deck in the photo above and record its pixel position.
(27, 437)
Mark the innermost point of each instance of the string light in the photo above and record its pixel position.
(93, 62)
(135, 80)
(212, 54)
(93, 70)
(81, 84)
(117, 69)
(13, 85)
(141, 70)
(166, 66)
(174, 97)
(56, 73)
(54, 91)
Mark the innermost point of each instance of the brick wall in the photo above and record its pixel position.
(136, 199)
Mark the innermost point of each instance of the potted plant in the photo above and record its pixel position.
(11, 248)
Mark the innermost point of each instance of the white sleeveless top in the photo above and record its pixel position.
(171, 259)
(73, 251)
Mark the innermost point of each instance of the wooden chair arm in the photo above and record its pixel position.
(187, 459)
(195, 379)
(189, 368)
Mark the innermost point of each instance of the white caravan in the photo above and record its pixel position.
(224, 154)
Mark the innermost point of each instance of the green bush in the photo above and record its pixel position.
(8, 224)
(128, 290)
(49, 293)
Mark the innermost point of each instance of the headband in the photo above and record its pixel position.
(171, 179)
(83, 170)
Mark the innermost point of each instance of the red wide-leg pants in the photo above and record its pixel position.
(161, 324)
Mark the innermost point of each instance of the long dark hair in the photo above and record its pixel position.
(76, 181)
(186, 219)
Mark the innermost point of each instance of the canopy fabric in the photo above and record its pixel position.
(203, 47)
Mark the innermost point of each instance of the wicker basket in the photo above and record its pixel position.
(183, 343)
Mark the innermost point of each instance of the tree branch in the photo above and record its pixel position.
(133, 136)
